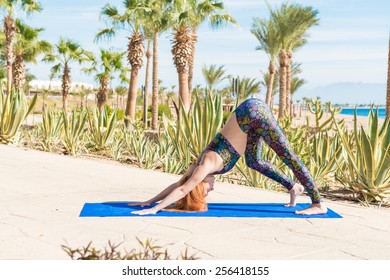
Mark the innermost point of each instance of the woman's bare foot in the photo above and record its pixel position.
(316, 208)
(296, 190)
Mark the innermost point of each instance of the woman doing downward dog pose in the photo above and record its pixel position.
(251, 124)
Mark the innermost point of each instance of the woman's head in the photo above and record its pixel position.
(195, 200)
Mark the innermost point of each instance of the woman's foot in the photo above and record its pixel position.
(296, 190)
(315, 208)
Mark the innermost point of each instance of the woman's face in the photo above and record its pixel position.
(209, 180)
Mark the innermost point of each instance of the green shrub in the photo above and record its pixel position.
(366, 173)
(73, 131)
(147, 251)
(13, 111)
(120, 114)
(101, 128)
(162, 108)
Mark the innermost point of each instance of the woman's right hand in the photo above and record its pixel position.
(139, 203)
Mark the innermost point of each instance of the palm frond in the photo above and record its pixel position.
(107, 33)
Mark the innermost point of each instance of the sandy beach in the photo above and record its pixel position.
(348, 119)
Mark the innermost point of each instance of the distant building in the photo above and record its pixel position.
(38, 85)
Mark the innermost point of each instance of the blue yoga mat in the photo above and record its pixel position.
(237, 210)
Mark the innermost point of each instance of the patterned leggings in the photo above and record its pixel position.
(256, 120)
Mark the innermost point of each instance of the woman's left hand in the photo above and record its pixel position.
(149, 211)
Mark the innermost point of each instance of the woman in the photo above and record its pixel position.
(251, 124)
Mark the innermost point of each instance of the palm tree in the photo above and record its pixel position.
(83, 93)
(213, 75)
(388, 85)
(110, 62)
(129, 21)
(28, 78)
(10, 28)
(121, 91)
(148, 54)
(67, 52)
(291, 22)
(162, 93)
(308, 18)
(246, 87)
(182, 46)
(213, 11)
(27, 48)
(227, 95)
(155, 22)
(266, 34)
(3, 72)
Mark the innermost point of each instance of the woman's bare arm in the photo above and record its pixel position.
(199, 173)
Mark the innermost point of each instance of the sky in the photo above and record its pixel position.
(350, 44)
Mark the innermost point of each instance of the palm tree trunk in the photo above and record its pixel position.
(18, 72)
(66, 82)
(288, 82)
(131, 98)
(134, 56)
(271, 69)
(191, 65)
(9, 31)
(103, 92)
(388, 86)
(147, 78)
(282, 82)
(155, 82)
(183, 90)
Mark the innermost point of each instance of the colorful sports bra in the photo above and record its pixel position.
(221, 146)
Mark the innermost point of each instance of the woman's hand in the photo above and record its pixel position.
(149, 211)
(139, 203)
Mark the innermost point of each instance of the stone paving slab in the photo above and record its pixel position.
(42, 195)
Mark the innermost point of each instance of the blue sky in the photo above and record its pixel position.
(349, 45)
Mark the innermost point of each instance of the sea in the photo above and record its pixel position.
(363, 112)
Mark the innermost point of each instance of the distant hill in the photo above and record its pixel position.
(342, 93)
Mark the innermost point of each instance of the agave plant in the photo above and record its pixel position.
(195, 129)
(73, 131)
(171, 162)
(145, 150)
(252, 177)
(118, 145)
(101, 128)
(52, 126)
(324, 153)
(13, 111)
(367, 171)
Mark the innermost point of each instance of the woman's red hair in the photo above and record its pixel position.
(194, 201)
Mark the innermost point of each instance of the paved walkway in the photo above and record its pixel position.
(42, 195)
